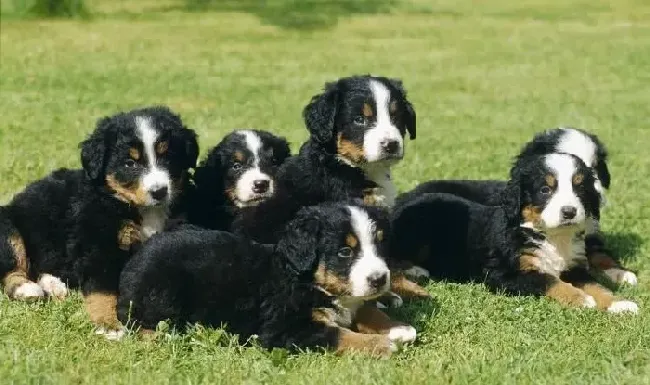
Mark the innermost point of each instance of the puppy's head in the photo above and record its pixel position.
(343, 248)
(551, 191)
(578, 142)
(141, 157)
(243, 166)
(363, 119)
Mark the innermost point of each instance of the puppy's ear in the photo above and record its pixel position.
(95, 148)
(511, 197)
(320, 114)
(409, 118)
(300, 242)
(281, 150)
(602, 171)
(189, 147)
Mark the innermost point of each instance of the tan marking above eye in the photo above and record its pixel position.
(134, 153)
(162, 147)
(380, 235)
(351, 240)
(392, 107)
(578, 178)
(239, 156)
(367, 110)
(550, 180)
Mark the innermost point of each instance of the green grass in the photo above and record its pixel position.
(483, 76)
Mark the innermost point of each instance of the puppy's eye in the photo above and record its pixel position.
(545, 190)
(360, 120)
(236, 166)
(129, 163)
(345, 252)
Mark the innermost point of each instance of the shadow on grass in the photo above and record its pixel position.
(624, 246)
(296, 14)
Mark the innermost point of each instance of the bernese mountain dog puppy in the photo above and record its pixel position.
(357, 128)
(531, 244)
(237, 173)
(559, 140)
(77, 228)
(309, 290)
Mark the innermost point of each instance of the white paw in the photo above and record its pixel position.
(110, 334)
(621, 276)
(28, 291)
(417, 272)
(589, 302)
(395, 301)
(53, 286)
(402, 334)
(381, 305)
(623, 307)
(394, 347)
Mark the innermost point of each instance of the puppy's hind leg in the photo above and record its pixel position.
(13, 255)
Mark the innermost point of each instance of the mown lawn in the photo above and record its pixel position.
(483, 78)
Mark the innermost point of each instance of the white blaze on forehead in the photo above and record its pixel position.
(253, 144)
(384, 129)
(563, 168)
(368, 264)
(154, 178)
(246, 181)
(575, 142)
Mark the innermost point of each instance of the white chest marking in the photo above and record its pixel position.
(153, 220)
(380, 174)
(560, 251)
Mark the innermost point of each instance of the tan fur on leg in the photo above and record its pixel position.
(370, 320)
(376, 344)
(569, 295)
(102, 309)
(128, 235)
(406, 288)
(604, 298)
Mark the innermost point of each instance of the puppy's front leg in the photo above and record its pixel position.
(605, 299)
(370, 320)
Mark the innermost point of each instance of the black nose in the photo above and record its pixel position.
(390, 146)
(261, 186)
(568, 212)
(378, 280)
(159, 194)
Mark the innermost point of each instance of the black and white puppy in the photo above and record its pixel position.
(574, 141)
(237, 173)
(307, 291)
(357, 128)
(77, 228)
(531, 244)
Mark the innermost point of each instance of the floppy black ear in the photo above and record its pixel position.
(320, 114)
(281, 150)
(511, 197)
(299, 243)
(409, 118)
(95, 148)
(603, 173)
(188, 147)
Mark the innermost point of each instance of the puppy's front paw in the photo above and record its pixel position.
(28, 291)
(53, 286)
(111, 334)
(402, 334)
(417, 272)
(623, 307)
(128, 235)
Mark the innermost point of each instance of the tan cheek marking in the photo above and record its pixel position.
(531, 214)
(162, 147)
(550, 180)
(367, 110)
(349, 150)
(392, 107)
(331, 282)
(578, 178)
(351, 241)
(135, 194)
(102, 309)
(134, 153)
(239, 156)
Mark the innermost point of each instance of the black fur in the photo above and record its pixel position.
(212, 206)
(460, 240)
(317, 173)
(70, 220)
(218, 278)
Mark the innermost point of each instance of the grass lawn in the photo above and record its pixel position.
(483, 79)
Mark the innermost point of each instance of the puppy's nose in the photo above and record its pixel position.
(261, 186)
(568, 212)
(390, 146)
(159, 194)
(378, 280)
